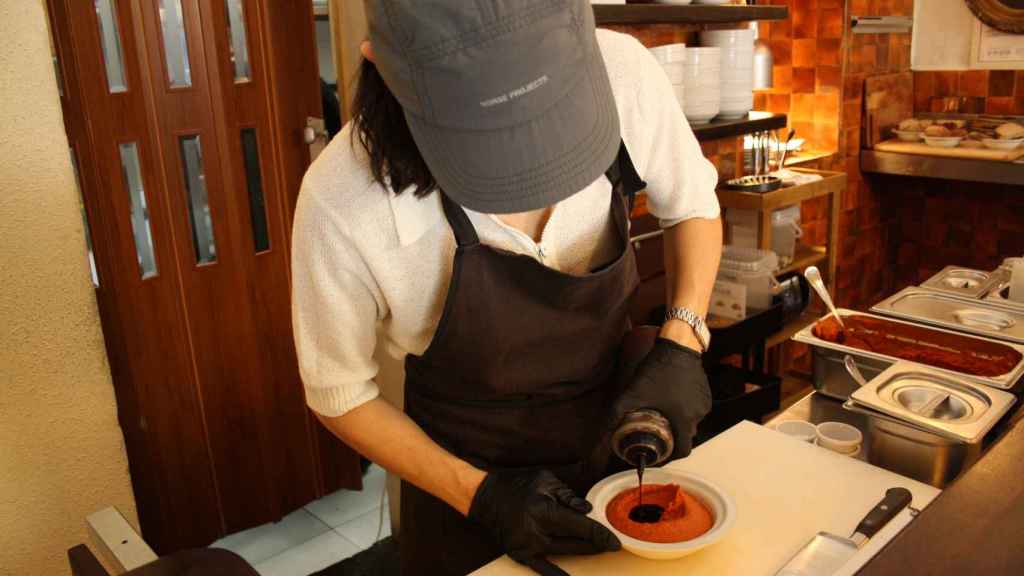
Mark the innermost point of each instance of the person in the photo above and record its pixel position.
(473, 219)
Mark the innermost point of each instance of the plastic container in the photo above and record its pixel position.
(800, 429)
(785, 232)
(839, 437)
(753, 268)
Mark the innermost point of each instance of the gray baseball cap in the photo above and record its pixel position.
(508, 100)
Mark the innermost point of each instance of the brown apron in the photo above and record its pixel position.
(520, 374)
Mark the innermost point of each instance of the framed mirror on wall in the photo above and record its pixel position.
(1002, 15)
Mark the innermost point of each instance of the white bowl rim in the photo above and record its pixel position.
(943, 138)
(719, 529)
(1007, 141)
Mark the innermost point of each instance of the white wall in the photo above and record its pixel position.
(62, 455)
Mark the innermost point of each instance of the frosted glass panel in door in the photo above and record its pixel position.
(198, 202)
(139, 211)
(238, 40)
(172, 20)
(110, 41)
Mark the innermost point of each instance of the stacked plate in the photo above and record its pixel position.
(702, 84)
(672, 58)
(737, 76)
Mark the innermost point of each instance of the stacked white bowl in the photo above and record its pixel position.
(672, 58)
(702, 84)
(737, 52)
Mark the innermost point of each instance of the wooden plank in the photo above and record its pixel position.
(944, 168)
(117, 541)
(688, 14)
(888, 100)
(754, 122)
(922, 149)
(831, 182)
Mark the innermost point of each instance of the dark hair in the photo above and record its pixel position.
(380, 126)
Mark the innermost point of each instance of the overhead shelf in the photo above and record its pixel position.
(754, 122)
(878, 162)
(688, 14)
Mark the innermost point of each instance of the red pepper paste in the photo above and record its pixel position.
(919, 344)
(685, 517)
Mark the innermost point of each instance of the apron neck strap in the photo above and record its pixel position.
(623, 173)
(465, 233)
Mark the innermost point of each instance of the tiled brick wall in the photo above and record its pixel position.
(970, 91)
(865, 273)
(807, 50)
(943, 222)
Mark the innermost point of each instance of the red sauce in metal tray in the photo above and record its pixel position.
(919, 344)
(684, 518)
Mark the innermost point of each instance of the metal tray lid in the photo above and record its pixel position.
(963, 281)
(1005, 382)
(935, 401)
(981, 317)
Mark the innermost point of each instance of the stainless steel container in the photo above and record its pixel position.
(981, 317)
(830, 377)
(905, 449)
(961, 281)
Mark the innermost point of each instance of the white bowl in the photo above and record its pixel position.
(839, 437)
(727, 36)
(680, 92)
(669, 53)
(942, 141)
(1002, 144)
(718, 502)
(675, 71)
(908, 136)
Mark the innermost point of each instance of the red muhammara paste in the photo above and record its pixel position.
(685, 517)
(919, 344)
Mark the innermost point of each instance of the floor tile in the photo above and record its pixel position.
(315, 555)
(345, 505)
(363, 530)
(263, 542)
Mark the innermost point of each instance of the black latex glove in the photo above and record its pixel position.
(671, 380)
(533, 514)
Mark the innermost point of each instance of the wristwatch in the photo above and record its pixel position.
(696, 322)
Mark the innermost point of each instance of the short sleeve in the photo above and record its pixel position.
(335, 312)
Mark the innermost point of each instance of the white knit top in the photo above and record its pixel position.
(371, 269)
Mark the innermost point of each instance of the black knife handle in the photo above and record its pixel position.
(896, 499)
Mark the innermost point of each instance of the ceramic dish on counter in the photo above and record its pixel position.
(942, 141)
(908, 136)
(721, 505)
(1002, 144)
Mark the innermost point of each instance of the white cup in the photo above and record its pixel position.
(675, 71)
(839, 437)
(800, 429)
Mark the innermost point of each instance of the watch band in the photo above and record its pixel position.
(700, 329)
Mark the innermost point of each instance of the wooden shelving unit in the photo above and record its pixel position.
(688, 14)
(831, 186)
(754, 122)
